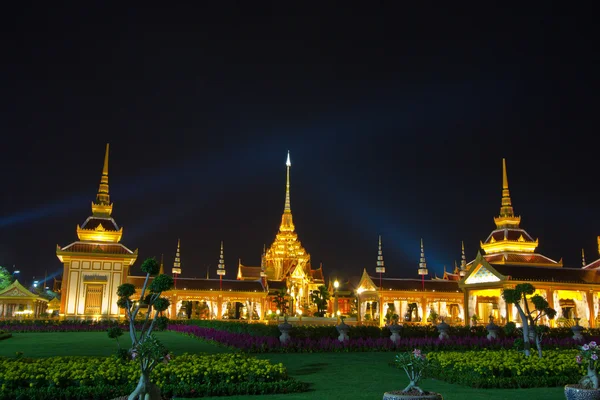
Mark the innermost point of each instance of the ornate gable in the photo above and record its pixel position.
(16, 290)
(366, 283)
(482, 272)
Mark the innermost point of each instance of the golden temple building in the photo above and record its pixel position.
(95, 265)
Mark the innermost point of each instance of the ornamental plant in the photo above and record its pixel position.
(414, 364)
(530, 317)
(588, 356)
(145, 348)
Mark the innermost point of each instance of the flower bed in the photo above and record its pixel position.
(200, 375)
(261, 344)
(505, 368)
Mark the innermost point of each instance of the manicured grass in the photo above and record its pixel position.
(334, 376)
(93, 344)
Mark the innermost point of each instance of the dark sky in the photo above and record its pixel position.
(397, 121)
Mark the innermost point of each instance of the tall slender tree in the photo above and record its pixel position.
(145, 348)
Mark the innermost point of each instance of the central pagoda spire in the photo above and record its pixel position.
(287, 225)
(507, 218)
(103, 207)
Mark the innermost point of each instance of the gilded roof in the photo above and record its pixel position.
(206, 284)
(250, 272)
(512, 234)
(441, 285)
(102, 247)
(519, 258)
(547, 274)
(108, 224)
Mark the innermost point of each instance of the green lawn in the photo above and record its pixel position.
(334, 376)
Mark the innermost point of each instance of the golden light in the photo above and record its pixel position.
(339, 313)
(277, 312)
(336, 284)
(300, 312)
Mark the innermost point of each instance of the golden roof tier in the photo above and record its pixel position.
(286, 253)
(100, 226)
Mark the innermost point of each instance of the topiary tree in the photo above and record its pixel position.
(145, 348)
(320, 298)
(281, 300)
(529, 317)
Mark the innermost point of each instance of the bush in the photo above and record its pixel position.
(5, 335)
(505, 368)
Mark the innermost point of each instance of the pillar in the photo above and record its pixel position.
(466, 308)
(174, 307)
(424, 310)
(381, 316)
(590, 302)
(220, 307)
(358, 316)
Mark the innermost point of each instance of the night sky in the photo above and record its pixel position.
(397, 121)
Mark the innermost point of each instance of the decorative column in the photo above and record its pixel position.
(424, 312)
(590, 304)
(466, 308)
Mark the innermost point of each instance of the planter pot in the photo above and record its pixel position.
(577, 392)
(400, 395)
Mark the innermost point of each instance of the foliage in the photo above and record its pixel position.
(433, 317)
(200, 374)
(6, 278)
(145, 348)
(415, 364)
(281, 300)
(529, 317)
(320, 298)
(588, 356)
(504, 368)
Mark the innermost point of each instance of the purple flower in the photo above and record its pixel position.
(592, 344)
(594, 356)
(579, 359)
(585, 347)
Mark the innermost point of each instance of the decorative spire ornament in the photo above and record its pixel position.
(221, 268)
(422, 266)
(177, 264)
(263, 271)
(380, 269)
(583, 263)
(507, 218)
(162, 265)
(463, 260)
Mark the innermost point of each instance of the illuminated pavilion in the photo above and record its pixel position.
(507, 258)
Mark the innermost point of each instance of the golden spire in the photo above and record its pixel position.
(287, 225)
(380, 265)
(162, 265)
(422, 263)
(221, 266)
(177, 263)
(583, 263)
(103, 207)
(456, 270)
(507, 218)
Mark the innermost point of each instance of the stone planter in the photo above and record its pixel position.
(577, 329)
(343, 329)
(492, 329)
(395, 330)
(576, 392)
(442, 328)
(399, 395)
(285, 328)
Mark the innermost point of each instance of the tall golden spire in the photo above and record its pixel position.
(507, 218)
(177, 263)
(103, 207)
(287, 225)
(162, 265)
(583, 263)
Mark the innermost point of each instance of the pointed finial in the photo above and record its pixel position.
(380, 269)
(583, 263)
(102, 207)
(162, 264)
(221, 266)
(177, 263)
(422, 263)
(506, 210)
(288, 164)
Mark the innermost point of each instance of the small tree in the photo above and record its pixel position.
(529, 317)
(144, 346)
(281, 301)
(6, 278)
(320, 298)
